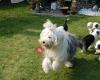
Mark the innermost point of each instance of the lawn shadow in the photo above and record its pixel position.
(90, 51)
(20, 25)
(85, 70)
(8, 5)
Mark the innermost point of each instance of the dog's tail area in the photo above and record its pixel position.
(65, 25)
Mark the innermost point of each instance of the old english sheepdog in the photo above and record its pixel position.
(59, 46)
(89, 39)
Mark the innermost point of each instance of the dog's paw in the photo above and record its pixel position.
(46, 70)
(46, 65)
(82, 51)
(99, 59)
(68, 64)
(96, 53)
(55, 65)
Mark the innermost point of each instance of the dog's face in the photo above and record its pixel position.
(89, 25)
(96, 32)
(92, 26)
(48, 37)
(96, 25)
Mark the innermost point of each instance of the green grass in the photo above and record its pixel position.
(19, 34)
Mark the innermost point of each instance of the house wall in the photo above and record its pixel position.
(67, 3)
(16, 1)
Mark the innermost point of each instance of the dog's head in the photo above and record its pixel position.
(48, 24)
(89, 25)
(96, 25)
(48, 38)
(96, 33)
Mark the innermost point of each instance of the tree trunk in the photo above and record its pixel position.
(74, 7)
(37, 8)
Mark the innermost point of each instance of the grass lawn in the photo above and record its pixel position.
(19, 34)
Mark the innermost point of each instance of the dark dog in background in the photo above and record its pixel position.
(89, 39)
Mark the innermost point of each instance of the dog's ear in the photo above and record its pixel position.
(47, 24)
(48, 20)
(96, 26)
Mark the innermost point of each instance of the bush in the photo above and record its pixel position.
(5, 1)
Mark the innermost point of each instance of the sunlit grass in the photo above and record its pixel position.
(19, 34)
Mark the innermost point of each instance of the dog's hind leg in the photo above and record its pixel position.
(46, 65)
(91, 46)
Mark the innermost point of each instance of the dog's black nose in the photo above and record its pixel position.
(98, 32)
(43, 42)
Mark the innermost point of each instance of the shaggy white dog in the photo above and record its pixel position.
(59, 46)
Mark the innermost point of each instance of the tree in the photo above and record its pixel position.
(35, 5)
(74, 7)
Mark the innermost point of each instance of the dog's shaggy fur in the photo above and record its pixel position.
(59, 46)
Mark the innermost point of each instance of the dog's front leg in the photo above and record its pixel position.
(46, 65)
(55, 65)
(68, 64)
